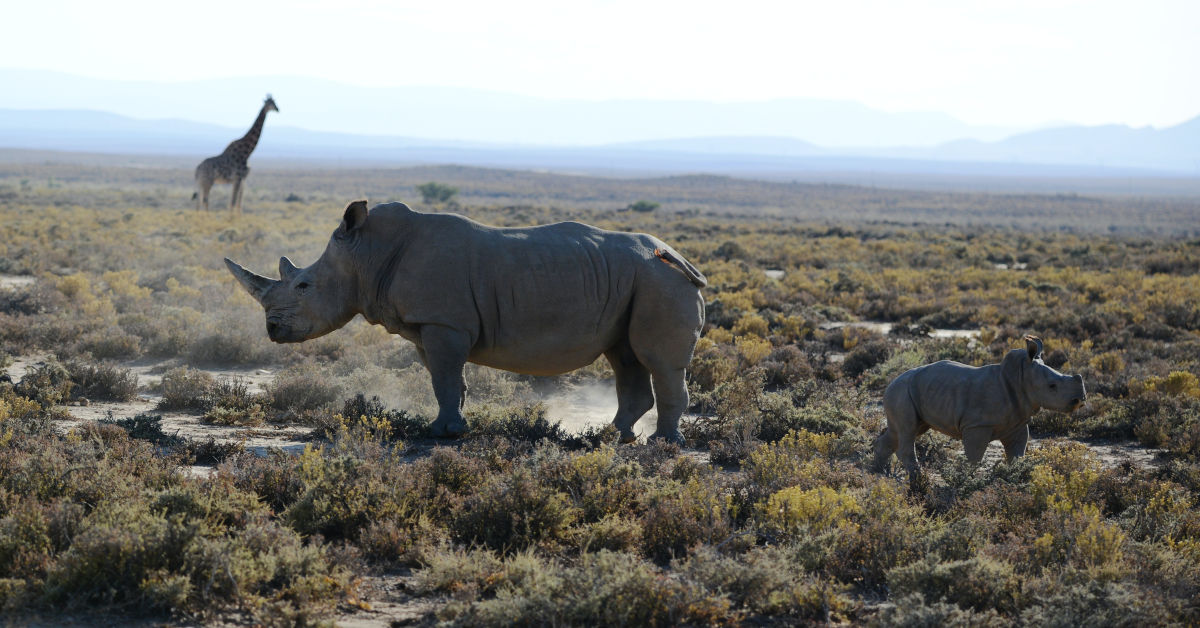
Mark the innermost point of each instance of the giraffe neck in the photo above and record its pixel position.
(245, 146)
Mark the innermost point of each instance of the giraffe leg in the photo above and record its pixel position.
(235, 203)
(205, 188)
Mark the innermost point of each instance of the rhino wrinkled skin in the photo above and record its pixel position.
(975, 404)
(540, 300)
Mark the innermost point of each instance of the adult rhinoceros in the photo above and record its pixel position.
(976, 404)
(538, 300)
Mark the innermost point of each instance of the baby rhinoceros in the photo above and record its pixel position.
(975, 404)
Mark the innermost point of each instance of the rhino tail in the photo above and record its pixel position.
(695, 276)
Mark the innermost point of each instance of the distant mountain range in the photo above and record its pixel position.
(448, 113)
(771, 138)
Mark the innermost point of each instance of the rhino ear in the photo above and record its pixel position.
(1033, 346)
(255, 284)
(286, 269)
(354, 218)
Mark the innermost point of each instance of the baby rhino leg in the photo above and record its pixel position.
(1015, 442)
(885, 446)
(975, 442)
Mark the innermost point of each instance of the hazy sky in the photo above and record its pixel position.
(1008, 63)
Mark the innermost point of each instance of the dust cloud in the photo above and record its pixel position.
(591, 404)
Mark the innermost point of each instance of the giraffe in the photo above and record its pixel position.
(230, 166)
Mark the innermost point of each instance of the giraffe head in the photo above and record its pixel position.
(269, 104)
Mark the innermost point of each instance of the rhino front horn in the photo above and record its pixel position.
(255, 284)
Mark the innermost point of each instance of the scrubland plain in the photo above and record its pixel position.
(770, 515)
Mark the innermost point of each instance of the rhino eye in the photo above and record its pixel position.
(1053, 386)
(303, 285)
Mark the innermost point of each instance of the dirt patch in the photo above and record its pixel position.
(1111, 454)
(886, 328)
(190, 425)
(16, 282)
(390, 603)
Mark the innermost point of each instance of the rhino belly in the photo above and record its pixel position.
(543, 354)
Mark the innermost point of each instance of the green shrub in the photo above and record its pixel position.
(1096, 603)
(599, 482)
(682, 515)
(864, 356)
(145, 427)
(186, 388)
(513, 512)
(602, 589)
(434, 192)
(463, 573)
(103, 381)
(299, 389)
(111, 344)
(767, 582)
(914, 612)
(643, 206)
(48, 383)
(230, 402)
(613, 533)
(978, 583)
(344, 490)
(402, 426)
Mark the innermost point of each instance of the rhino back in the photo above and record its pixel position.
(564, 287)
(953, 396)
(540, 300)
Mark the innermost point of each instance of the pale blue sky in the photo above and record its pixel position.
(1009, 63)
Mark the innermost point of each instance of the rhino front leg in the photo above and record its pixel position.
(1015, 443)
(975, 443)
(445, 351)
(462, 400)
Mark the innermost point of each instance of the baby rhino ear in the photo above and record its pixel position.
(1033, 346)
(354, 218)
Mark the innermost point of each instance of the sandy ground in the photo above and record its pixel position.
(885, 328)
(14, 282)
(259, 439)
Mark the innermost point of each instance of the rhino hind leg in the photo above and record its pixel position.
(663, 329)
(671, 395)
(904, 425)
(885, 446)
(906, 451)
(635, 396)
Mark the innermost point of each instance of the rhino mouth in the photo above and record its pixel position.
(281, 333)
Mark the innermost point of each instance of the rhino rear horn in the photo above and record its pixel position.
(1033, 345)
(286, 268)
(255, 284)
